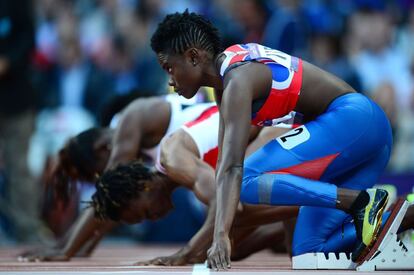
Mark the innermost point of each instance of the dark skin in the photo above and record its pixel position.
(123, 144)
(144, 123)
(87, 231)
(254, 227)
(181, 160)
(113, 147)
(234, 95)
(180, 157)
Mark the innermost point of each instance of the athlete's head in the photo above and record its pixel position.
(185, 44)
(131, 193)
(82, 158)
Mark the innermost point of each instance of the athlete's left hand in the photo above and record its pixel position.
(218, 256)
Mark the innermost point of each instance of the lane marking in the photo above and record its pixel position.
(201, 269)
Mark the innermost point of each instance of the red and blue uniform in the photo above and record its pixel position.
(277, 108)
(347, 146)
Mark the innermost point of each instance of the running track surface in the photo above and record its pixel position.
(120, 259)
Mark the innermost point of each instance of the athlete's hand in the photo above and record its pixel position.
(182, 257)
(43, 254)
(172, 260)
(218, 256)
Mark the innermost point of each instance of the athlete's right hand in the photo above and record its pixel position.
(43, 254)
(218, 256)
(178, 258)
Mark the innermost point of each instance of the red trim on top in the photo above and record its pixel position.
(280, 102)
(235, 48)
(312, 169)
(211, 157)
(203, 116)
(238, 58)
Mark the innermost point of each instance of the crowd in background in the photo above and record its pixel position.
(75, 63)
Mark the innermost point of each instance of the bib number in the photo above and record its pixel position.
(294, 137)
(280, 57)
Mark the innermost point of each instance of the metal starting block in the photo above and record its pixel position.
(388, 252)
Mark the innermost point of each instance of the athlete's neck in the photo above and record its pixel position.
(212, 76)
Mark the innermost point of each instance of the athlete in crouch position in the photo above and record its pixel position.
(322, 165)
(138, 133)
(133, 192)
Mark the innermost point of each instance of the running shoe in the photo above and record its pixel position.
(367, 222)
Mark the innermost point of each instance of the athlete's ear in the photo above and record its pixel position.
(193, 55)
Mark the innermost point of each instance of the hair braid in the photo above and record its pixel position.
(181, 31)
(117, 187)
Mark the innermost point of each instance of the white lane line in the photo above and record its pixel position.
(201, 269)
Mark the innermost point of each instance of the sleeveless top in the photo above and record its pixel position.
(180, 114)
(277, 108)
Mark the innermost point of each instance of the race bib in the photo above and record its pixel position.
(294, 137)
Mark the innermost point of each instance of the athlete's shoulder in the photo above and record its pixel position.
(238, 54)
(236, 48)
(254, 49)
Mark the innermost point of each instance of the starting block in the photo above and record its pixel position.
(388, 252)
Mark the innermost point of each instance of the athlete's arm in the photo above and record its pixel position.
(128, 135)
(235, 108)
(86, 232)
(183, 166)
(246, 216)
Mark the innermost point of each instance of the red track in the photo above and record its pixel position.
(119, 260)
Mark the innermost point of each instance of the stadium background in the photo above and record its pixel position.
(75, 63)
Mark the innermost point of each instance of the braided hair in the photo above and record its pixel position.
(181, 31)
(117, 187)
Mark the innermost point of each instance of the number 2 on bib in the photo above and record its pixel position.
(294, 137)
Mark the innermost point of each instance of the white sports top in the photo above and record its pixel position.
(181, 112)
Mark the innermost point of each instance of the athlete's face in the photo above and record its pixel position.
(149, 205)
(184, 72)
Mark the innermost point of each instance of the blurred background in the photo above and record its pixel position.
(68, 65)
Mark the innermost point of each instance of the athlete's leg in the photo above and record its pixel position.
(340, 239)
(321, 149)
(327, 236)
(303, 172)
